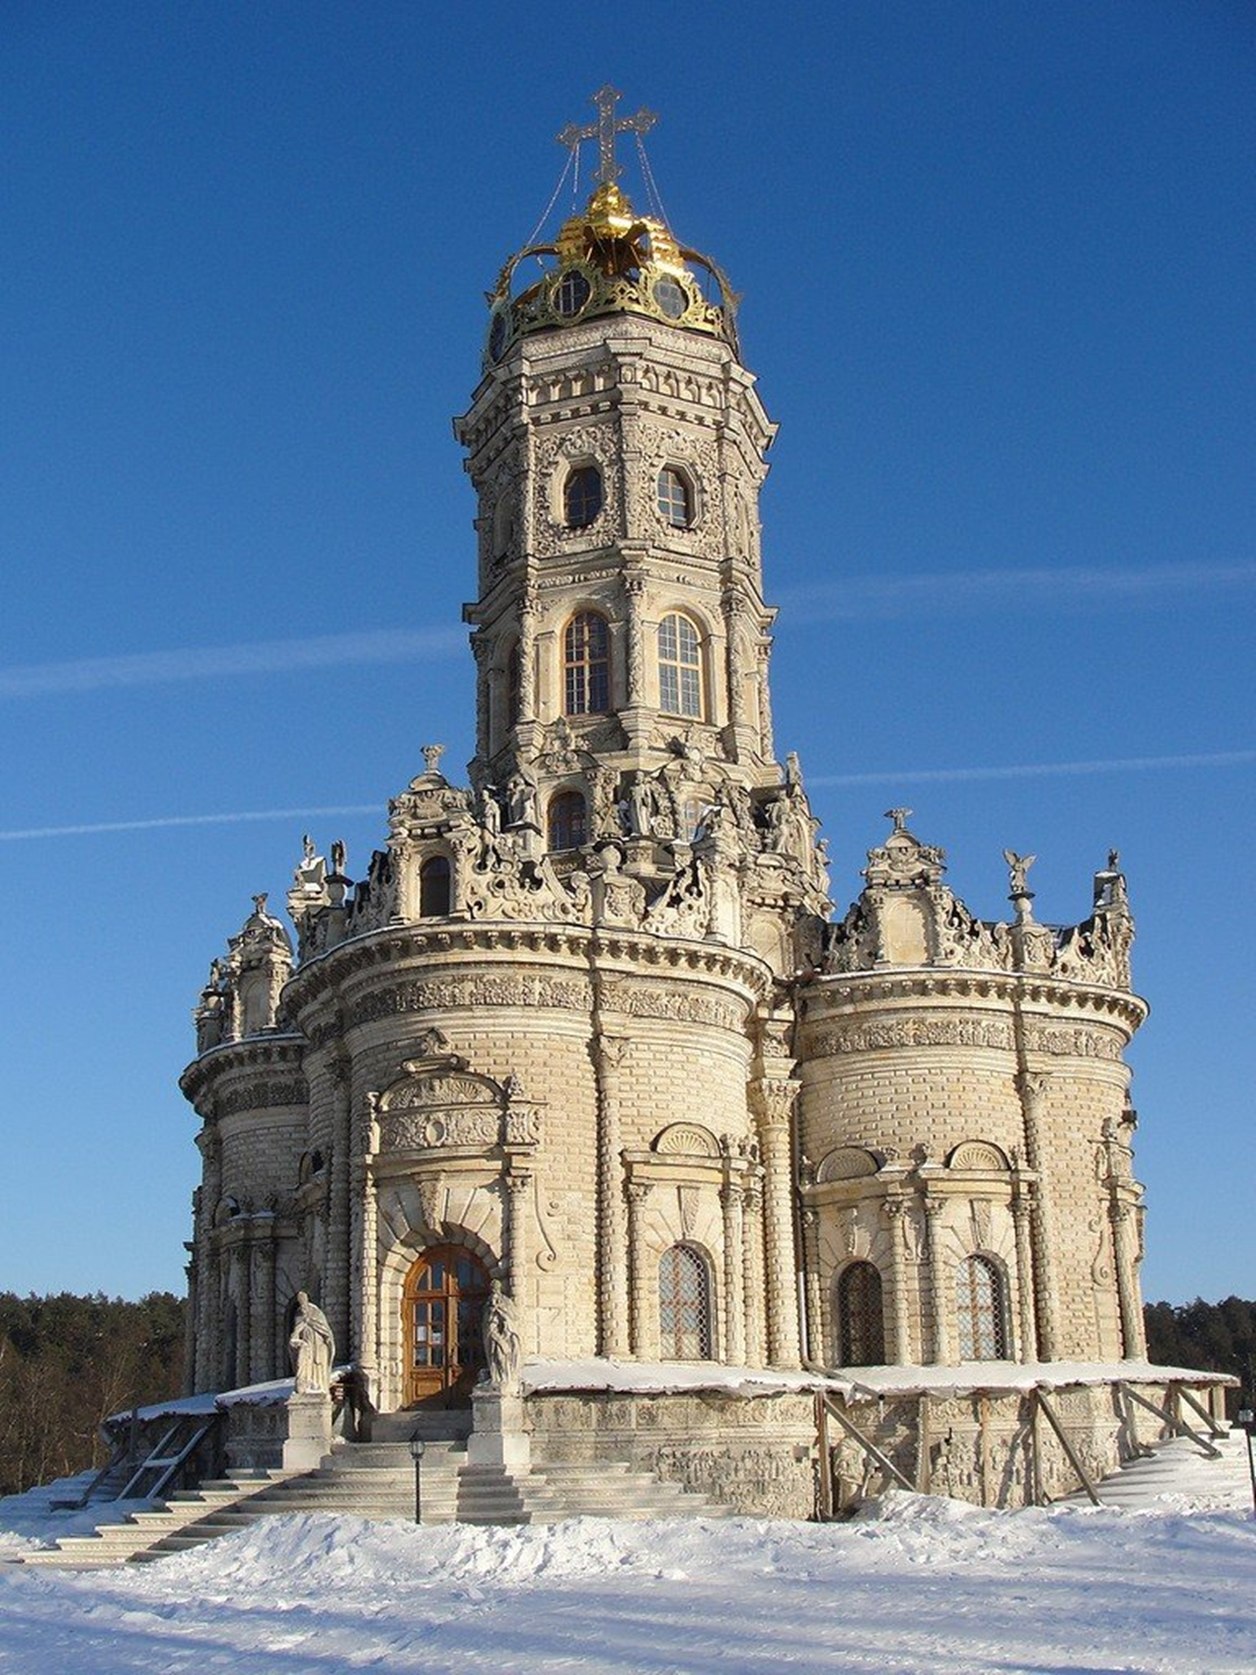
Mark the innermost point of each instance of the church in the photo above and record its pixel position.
(590, 1026)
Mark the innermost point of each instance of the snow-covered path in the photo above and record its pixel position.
(928, 1585)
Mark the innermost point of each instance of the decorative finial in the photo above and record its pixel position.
(605, 129)
(900, 817)
(1114, 860)
(432, 754)
(259, 903)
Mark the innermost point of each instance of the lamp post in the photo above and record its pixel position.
(1246, 1418)
(416, 1454)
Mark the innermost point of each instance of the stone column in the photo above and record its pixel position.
(765, 699)
(634, 590)
(243, 1288)
(612, 1253)
(939, 1298)
(336, 1283)
(517, 1183)
(362, 1241)
(752, 1266)
(529, 605)
(190, 1319)
(899, 1322)
(482, 650)
(1022, 1218)
(734, 1294)
(813, 1336)
(637, 1193)
(733, 605)
(209, 1279)
(1133, 1335)
(265, 1360)
(1033, 1090)
(774, 1101)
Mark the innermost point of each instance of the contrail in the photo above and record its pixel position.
(262, 657)
(94, 828)
(868, 598)
(1032, 770)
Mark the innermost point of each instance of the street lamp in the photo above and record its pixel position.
(416, 1454)
(1247, 1420)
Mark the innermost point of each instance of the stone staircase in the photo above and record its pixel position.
(1177, 1467)
(376, 1480)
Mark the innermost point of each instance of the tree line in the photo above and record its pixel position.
(68, 1362)
(1213, 1337)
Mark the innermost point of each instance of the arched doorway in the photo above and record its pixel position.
(443, 1311)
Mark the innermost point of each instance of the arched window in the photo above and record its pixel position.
(684, 1305)
(582, 496)
(680, 667)
(860, 1322)
(434, 887)
(675, 498)
(586, 665)
(981, 1313)
(568, 820)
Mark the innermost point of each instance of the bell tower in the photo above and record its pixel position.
(617, 448)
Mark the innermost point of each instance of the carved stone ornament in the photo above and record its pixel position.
(686, 1139)
(978, 1155)
(846, 1163)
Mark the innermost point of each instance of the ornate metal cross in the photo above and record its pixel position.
(605, 129)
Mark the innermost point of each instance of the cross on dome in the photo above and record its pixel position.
(604, 130)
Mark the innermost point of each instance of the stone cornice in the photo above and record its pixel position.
(393, 949)
(1015, 990)
(278, 1053)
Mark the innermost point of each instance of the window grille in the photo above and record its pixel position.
(982, 1315)
(586, 665)
(860, 1318)
(680, 667)
(675, 502)
(684, 1306)
(582, 497)
(568, 820)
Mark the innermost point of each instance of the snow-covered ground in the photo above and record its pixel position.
(914, 1585)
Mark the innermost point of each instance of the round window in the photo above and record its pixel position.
(670, 297)
(571, 293)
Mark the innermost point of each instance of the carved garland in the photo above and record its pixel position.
(966, 1032)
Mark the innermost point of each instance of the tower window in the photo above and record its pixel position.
(860, 1324)
(571, 293)
(684, 1305)
(434, 887)
(675, 499)
(586, 665)
(568, 820)
(982, 1316)
(582, 496)
(680, 667)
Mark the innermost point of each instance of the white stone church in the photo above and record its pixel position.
(589, 1025)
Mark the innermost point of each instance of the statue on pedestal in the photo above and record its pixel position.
(503, 1349)
(312, 1347)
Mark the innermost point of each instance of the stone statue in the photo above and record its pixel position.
(503, 1349)
(1018, 870)
(312, 1348)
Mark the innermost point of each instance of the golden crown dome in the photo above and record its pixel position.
(609, 260)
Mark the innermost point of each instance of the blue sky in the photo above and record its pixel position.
(997, 267)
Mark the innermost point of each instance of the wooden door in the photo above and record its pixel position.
(444, 1299)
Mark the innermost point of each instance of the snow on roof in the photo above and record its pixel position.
(674, 1376)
